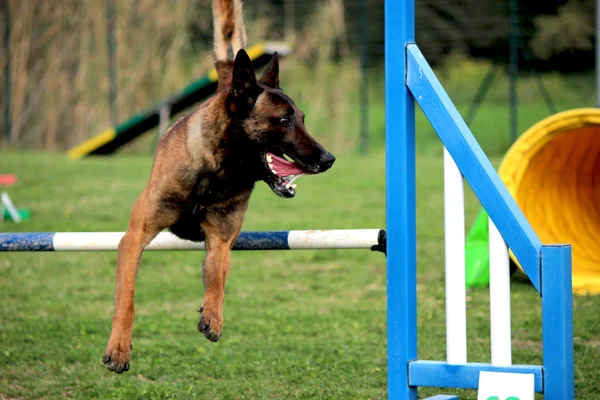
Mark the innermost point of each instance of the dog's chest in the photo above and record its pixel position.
(216, 188)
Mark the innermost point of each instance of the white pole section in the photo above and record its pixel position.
(107, 241)
(333, 239)
(454, 234)
(499, 299)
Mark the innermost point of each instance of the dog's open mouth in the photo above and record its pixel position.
(282, 174)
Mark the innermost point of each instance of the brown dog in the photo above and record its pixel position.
(204, 170)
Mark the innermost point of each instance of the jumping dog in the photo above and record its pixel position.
(204, 171)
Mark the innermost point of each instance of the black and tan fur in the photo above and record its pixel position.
(204, 171)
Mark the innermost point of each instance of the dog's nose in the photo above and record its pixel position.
(327, 161)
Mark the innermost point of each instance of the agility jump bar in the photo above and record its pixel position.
(373, 239)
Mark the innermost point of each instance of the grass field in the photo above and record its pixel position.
(298, 325)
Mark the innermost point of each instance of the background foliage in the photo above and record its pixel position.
(59, 66)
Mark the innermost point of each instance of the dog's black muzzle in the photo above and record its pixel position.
(326, 161)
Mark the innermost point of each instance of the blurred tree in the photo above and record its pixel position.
(566, 40)
(442, 26)
(558, 34)
(555, 34)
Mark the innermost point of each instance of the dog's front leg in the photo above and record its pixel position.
(144, 225)
(215, 269)
(221, 233)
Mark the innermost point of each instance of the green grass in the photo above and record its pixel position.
(298, 325)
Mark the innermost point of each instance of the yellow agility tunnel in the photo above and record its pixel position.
(553, 173)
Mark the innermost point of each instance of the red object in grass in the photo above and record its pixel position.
(8, 179)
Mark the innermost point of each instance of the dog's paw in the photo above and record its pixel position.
(211, 324)
(117, 359)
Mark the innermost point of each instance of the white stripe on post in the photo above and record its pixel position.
(500, 332)
(454, 235)
(333, 239)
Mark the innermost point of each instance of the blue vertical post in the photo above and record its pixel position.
(557, 323)
(400, 201)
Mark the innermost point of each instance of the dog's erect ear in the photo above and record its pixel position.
(244, 88)
(270, 77)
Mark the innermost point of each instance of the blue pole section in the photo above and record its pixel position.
(557, 323)
(400, 201)
(27, 241)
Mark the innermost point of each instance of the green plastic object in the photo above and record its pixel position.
(25, 214)
(477, 254)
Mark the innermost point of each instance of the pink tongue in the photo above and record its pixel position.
(285, 167)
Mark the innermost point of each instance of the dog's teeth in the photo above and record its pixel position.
(269, 158)
(293, 186)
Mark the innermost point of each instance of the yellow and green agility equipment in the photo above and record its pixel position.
(109, 140)
(553, 173)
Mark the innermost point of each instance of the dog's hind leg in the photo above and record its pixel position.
(221, 229)
(147, 220)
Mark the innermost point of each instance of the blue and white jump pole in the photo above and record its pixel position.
(408, 77)
(373, 239)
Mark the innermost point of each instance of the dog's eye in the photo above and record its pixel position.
(285, 121)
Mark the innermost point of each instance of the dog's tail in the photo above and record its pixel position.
(229, 30)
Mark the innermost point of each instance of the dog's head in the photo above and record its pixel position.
(274, 127)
